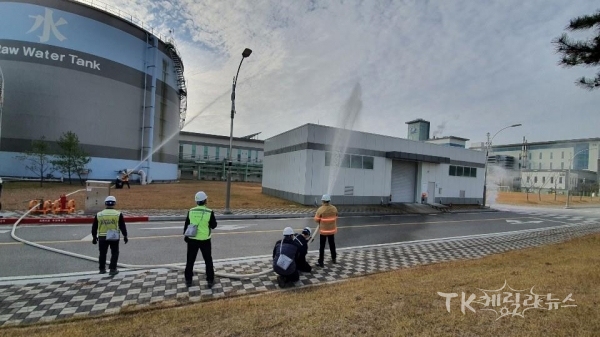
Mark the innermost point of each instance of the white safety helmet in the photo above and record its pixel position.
(110, 201)
(200, 196)
(326, 197)
(288, 231)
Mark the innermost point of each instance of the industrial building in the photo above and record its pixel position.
(204, 157)
(364, 168)
(81, 66)
(544, 165)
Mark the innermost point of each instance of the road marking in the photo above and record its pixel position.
(232, 227)
(162, 227)
(88, 238)
(523, 222)
(2, 232)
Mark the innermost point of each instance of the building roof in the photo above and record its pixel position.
(241, 139)
(450, 137)
(418, 120)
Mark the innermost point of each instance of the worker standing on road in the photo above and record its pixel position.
(326, 217)
(301, 241)
(197, 231)
(106, 229)
(285, 254)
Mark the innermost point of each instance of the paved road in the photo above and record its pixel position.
(162, 242)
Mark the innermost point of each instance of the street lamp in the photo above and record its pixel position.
(568, 182)
(487, 149)
(245, 54)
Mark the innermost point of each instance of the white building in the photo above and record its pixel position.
(204, 157)
(544, 160)
(364, 168)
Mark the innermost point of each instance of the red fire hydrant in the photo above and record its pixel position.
(63, 202)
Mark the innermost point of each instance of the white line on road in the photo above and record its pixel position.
(2, 232)
(88, 238)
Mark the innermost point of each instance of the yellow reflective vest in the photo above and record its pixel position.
(200, 216)
(108, 219)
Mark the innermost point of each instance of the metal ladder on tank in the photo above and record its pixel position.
(147, 129)
(181, 83)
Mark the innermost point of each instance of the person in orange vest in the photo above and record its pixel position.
(125, 178)
(326, 217)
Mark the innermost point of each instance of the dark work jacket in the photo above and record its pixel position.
(290, 250)
(302, 245)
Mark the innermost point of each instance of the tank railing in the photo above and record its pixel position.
(127, 17)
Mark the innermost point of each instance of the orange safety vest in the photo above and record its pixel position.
(326, 217)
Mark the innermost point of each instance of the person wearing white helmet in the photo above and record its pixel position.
(326, 217)
(106, 231)
(285, 253)
(199, 223)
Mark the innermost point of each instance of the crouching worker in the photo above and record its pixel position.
(284, 259)
(301, 241)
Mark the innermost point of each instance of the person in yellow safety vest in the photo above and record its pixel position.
(326, 217)
(106, 230)
(199, 223)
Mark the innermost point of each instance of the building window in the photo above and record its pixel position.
(562, 155)
(356, 162)
(249, 155)
(551, 180)
(217, 153)
(540, 155)
(368, 162)
(543, 180)
(205, 152)
(551, 166)
(550, 155)
(349, 161)
(180, 151)
(535, 180)
(193, 151)
(239, 155)
(528, 180)
(462, 171)
(560, 180)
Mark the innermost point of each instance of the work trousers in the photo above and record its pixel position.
(114, 254)
(192, 252)
(293, 277)
(302, 265)
(323, 240)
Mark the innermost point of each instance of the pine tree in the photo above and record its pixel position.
(581, 52)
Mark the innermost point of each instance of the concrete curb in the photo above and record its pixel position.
(153, 218)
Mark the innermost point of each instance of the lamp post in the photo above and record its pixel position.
(245, 54)
(568, 180)
(487, 149)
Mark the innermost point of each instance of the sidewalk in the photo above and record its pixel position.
(9, 218)
(32, 301)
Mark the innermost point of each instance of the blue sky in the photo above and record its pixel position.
(468, 67)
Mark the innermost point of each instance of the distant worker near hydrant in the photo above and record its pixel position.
(326, 217)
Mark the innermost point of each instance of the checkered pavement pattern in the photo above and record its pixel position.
(49, 301)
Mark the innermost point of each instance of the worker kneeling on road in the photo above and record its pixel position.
(106, 229)
(197, 231)
(285, 253)
(301, 241)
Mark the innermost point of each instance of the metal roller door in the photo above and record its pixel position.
(404, 181)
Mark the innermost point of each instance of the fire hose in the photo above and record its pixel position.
(124, 265)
